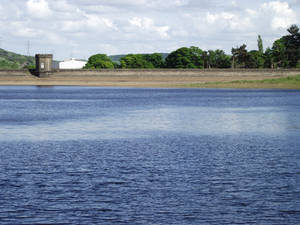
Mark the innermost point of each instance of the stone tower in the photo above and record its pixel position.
(43, 63)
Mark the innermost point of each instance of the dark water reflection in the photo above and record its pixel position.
(73, 155)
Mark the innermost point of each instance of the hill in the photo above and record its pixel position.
(117, 58)
(11, 60)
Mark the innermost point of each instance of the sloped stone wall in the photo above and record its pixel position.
(161, 72)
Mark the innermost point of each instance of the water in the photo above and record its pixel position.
(75, 155)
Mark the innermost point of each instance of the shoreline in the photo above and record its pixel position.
(278, 79)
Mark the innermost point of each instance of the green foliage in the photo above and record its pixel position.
(216, 59)
(279, 57)
(185, 58)
(292, 44)
(116, 65)
(135, 61)
(240, 56)
(10, 60)
(244, 59)
(268, 58)
(256, 59)
(30, 67)
(117, 58)
(142, 61)
(285, 52)
(260, 44)
(155, 59)
(99, 61)
(4, 64)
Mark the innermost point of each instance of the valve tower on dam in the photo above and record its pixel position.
(43, 63)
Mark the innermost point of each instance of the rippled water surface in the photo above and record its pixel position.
(79, 155)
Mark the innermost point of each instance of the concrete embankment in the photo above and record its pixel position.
(179, 72)
(140, 77)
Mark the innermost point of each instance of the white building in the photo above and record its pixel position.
(72, 64)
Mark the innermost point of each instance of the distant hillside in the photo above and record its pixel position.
(10, 60)
(164, 55)
(117, 58)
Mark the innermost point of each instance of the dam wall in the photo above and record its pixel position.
(156, 73)
(179, 72)
(138, 77)
(17, 73)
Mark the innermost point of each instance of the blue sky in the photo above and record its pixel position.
(80, 28)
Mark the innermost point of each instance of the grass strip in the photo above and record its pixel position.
(290, 82)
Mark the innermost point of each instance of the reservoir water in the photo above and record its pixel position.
(84, 155)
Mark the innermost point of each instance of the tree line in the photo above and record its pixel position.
(284, 53)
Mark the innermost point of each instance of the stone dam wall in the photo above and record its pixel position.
(17, 73)
(158, 72)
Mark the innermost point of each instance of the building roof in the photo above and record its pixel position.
(73, 59)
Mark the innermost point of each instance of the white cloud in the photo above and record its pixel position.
(234, 3)
(54, 37)
(211, 18)
(21, 30)
(158, 4)
(281, 13)
(123, 26)
(62, 5)
(71, 26)
(97, 22)
(275, 14)
(38, 8)
(107, 48)
(229, 21)
(251, 12)
(88, 22)
(147, 25)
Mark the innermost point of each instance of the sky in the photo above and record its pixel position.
(81, 28)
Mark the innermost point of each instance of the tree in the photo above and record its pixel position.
(268, 59)
(196, 56)
(212, 59)
(149, 61)
(279, 57)
(240, 56)
(292, 44)
(135, 61)
(255, 60)
(234, 52)
(185, 58)
(298, 64)
(155, 59)
(285, 51)
(116, 65)
(244, 59)
(216, 59)
(223, 60)
(99, 61)
(205, 59)
(260, 45)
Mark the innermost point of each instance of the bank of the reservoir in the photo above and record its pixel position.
(150, 78)
(290, 82)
